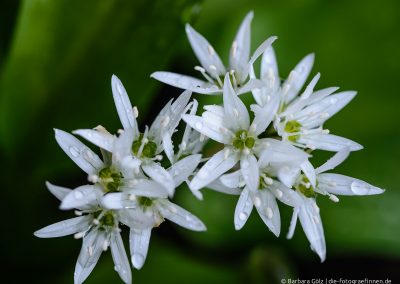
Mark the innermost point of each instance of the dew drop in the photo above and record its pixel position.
(78, 194)
(189, 218)
(257, 201)
(199, 125)
(74, 151)
(358, 188)
(117, 268)
(269, 212)
(137, 260)
(242, 216)
(333, 101)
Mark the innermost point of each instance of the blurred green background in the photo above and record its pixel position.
(56, 61)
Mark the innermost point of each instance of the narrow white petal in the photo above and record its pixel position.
(293, 223)
(119, 200)
(139, 244)
(81, 196)
(207, 129)
(160, 175)
(321, 94)
(213, 169)
(298, 77)
(264, 115)
(333, 162)
(329, 142)
(138, 219)
(250, 171)
(205, 53)
(267, 208)
(240, 50)
(92, 248)
(344, 185)
(309, 172)
(98, 138)
(269, 66)
(85, 158)
(236, 114)
(179, 215)
(312, 225)
(243, 209)
(123, 105)
(181, 170)
(177, 109)
(232, 180)
(168, 146)
(250, 85)
(58, 191)
(186, 83)
(120, 258)
(218, 186)
(285, 194)
(65, 228)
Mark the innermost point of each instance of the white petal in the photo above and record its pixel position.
(218, 186)
(181, 170)
(236, 114)
(250, 85)
(92, 248)
(264, 115)
(298, 77)
(344, 185)
(329, 142)
(293, 223)
(285, 195)
(204, 127)
(179, 215)
(168, 146)
(139, 244)
(243, 209)
(267, 208)
(205, 53)
(333, 162)
(232, 180)
(321, 94)
(65, 228)
(137, 218)
(288, 175)
(250, 171)
(118, 200)
(100, 139)
(186, 83)
(81, 196)
(85, 158)
(312, 225)
(123, 105)
(120, 258)
(269, 66)
(160, 175)
(58, 191)
(261, 48)
(213, 169)
(240, 51)
(309, 172)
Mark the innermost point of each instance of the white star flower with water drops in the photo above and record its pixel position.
(212, 67)
(300, 117)
(307, 211)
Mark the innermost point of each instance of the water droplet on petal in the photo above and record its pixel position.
(189, 218)
(333, 101)
(242, 216)
(269, 213)
(199, 125)
(358, 188)
(117, 268)
(78, 194)
(74, 151)
(137, 260)
(257, 201)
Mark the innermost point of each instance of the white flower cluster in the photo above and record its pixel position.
(263, 160)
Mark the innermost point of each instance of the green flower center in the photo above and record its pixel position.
(293, 126)
(106, 220)
(305, 187)
(149, 149)
(243, 140)
(145, 201)
(110, 179)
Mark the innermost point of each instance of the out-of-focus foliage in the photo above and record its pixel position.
(56, 61)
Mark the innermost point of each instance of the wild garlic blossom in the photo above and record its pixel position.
(264, 155)
(212, 68)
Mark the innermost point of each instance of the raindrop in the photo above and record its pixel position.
(242, 216)
(269, 212)
(358, 188)
(117, 268)
(333, 101)
(78, 194)
(199, 125)
(189, 218)
(257, 201)
(137, 260)
(74, 151)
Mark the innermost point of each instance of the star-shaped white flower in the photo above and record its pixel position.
(213, 69)
(99, 229)
(137, 151)
(326, 184)
(300, 117)
(230, 125)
